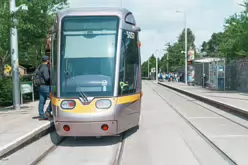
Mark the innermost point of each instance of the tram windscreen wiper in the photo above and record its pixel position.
(82, 94)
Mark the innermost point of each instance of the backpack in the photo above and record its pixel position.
(37, 79)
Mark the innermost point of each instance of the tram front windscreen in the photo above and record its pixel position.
(88, 55)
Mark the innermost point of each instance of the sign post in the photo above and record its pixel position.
(26, 88)
(190, 69)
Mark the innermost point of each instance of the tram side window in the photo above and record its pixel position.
(54, 65)
(129, 60)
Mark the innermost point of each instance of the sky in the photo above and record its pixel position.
(160, 23)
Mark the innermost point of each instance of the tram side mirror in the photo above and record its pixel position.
(137, 29)
(52, 30)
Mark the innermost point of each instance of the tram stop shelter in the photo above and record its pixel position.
(210, 72)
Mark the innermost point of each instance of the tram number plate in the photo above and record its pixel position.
(130, 35)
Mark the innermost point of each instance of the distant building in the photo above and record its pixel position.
(22, 70)
(8, 70)
(48, 44)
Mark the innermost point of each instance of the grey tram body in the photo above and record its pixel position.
(125, 110)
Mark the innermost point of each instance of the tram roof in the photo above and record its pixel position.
(121, 12)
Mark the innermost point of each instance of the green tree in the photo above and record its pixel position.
(232, 43)
(33, 26)
(4, 34)
(204, 47)
(152, 61)
(176, 57)
(190, 39)
(145, 69)
(236, 34)
(213, 47)
(152, 64)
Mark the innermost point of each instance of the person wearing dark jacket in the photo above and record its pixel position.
(44, 89)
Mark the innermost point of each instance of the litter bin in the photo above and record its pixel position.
(221, 84)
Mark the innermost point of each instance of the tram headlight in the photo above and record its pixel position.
(68, 104)
(103, 104)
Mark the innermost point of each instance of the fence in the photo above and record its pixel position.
(233, 78)
(199, 72)
(6, 90)
(237, 75)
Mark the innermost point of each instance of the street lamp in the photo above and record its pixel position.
(55, 8)
(186, 43)
(156, 65)
(148, 67)
(167, 57)
(240, 4)
(14, 54)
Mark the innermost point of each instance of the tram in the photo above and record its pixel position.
(96, 85)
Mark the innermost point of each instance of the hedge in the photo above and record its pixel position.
(6, 92)
(6, 98)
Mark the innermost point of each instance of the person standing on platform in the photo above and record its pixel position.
(43, 83)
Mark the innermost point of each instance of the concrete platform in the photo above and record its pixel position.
(165, 138)
(228, 133)
(229, 100)
(18, 127)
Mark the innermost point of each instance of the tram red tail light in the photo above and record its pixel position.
(105, 127)
(66, 128)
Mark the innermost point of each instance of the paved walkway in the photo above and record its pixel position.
(19, 126)
(164, 138)
(226, 131)
(236, 99)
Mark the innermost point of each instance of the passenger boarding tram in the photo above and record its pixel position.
(96, 72)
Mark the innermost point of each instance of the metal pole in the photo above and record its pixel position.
(186, 51)
(209, 71)
(217, 70)
(167, 62)
(157, 69)
(203, 72)
(148, 68)
(224, 74)
(14, 59)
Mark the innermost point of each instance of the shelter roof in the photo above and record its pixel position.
(208, 59)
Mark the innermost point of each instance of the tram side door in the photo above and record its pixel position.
(129, 69)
